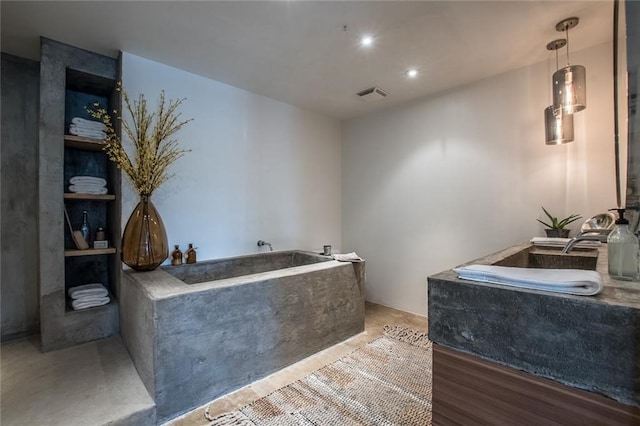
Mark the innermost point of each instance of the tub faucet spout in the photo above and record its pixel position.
(264, 243)
(587, 235)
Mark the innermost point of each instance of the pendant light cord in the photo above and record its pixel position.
(567, 31)
(616, 129)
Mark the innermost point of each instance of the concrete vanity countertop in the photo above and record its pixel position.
(587, 342)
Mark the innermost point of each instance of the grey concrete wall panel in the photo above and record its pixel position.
(19, 155)
(194, 342)
(137, 322)
(590, 343)
(64, 327)
(61, 327)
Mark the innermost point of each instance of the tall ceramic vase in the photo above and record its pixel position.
(144, 243)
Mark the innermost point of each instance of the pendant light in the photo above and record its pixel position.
(558, 126)
(570, 82)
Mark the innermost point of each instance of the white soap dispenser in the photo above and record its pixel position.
(623, 250)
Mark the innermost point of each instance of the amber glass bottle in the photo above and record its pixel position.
(190, 254)
(176, 256)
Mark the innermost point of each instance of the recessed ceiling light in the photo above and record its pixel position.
(366, 41)
(412, 73)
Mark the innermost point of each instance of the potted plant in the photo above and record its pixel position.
(556, 226)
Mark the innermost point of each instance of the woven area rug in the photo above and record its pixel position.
(386, 382)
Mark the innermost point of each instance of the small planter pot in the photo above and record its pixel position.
(557, 233)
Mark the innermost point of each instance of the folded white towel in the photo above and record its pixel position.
(88, 291)
(88, 124)
(88, 189)
(80, 131)
(568, 281)
(89, 303)
(85, 295)
(561, 242)
(85, 128)
(349, 257)
(93, 134)
(80, 180)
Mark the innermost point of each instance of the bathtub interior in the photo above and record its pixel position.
(219, 269)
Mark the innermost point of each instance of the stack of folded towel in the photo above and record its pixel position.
(87, 128)
(88, 185)
(88, 296)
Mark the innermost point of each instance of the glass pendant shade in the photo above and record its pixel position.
(570, 89)
(558, 127)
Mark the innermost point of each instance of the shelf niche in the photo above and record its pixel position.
(72, 79)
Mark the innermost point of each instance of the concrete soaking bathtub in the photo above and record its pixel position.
(196, 332)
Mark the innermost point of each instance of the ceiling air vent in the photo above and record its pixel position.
(372, 94)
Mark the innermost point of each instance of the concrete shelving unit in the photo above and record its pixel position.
(70, 79)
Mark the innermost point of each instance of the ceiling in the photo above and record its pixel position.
(307, 53)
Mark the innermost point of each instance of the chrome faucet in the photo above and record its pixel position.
(587, 235)
(264, 243)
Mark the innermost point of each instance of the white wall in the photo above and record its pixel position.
(259, 168)
(456, 176)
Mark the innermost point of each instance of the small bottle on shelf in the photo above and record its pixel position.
(85, 229)
(176, 256)
(191, 254)
(100, 241)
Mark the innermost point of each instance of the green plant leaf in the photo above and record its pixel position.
(544, 223)
(558, 223)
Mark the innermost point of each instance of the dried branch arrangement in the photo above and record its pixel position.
(154, 149)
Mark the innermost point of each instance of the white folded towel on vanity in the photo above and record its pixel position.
(88, 296)
(567, 281)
